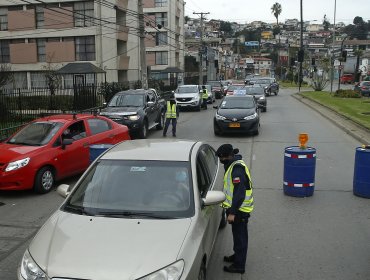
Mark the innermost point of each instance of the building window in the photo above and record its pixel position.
(161, 18)
(3, 19)
(39, 16)
(161, 58)
(161, 39)
(160, 3)
(41, 52)
(85, 48)
(83, 14)
(159, 76)
(38, 80)
(4, 51)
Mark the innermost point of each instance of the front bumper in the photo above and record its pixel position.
(189, 104)
(245, 125)
(133, 126)
(16, 180)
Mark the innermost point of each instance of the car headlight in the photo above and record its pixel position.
(261, 98)
(251, 117)
(219, 117)
(171, 272)
(17, 164)
(134, 117)
(196, 98)
(30, 270)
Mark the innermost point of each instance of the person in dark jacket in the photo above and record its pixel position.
(171, 113)
(238, 203)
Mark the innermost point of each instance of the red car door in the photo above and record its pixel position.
(101, 132)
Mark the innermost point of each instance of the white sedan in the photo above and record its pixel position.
(145, 209)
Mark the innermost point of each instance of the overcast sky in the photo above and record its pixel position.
(243, 11)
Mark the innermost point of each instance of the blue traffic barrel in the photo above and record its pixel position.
(299, 171)
(97, 150)
(361, 178)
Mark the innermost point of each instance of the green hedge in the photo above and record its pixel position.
(62, 102)
(347, 93)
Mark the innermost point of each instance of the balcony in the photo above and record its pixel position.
(122, 34)
(123, 62)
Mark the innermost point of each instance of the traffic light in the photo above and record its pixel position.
(344, 56)
(300, 55)
(313, 61)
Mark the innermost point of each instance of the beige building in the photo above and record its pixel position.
(35, 38)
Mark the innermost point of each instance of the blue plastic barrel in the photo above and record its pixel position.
(97, 150)
(361, 178)
(299, 171)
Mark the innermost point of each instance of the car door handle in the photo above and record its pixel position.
(85, 144)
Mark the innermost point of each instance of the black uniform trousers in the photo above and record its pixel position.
(167, 123)
(240, 237)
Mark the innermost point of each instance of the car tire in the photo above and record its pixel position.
(264, 109)
(144, 130)
(202, 272)
(199, 107)
(216, 131)
(223, 221)
(44, 180)
(159, 126)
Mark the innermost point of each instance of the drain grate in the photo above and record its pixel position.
(2, 204)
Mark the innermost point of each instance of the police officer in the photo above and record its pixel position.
(204, 97)
(171, 113)
(238, 204)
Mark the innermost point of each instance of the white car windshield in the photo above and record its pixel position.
(124, 188)
(187, 89)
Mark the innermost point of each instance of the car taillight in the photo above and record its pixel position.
(363, 87)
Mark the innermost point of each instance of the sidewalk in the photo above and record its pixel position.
(357, 131)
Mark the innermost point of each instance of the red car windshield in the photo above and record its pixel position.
(36, 134)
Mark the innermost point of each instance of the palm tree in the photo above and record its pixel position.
(276, 10)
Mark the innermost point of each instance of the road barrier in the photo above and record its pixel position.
(299, 171)
(96, 150)
(361, 178)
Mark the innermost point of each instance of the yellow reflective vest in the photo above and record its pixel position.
(171, 111)
(205, 94)
(247, 205)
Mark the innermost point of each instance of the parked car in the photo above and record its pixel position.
(259, 94)
(146, 209)
(363, 88)
(347, 79)
(270, 85)
(237, 113)
(52, 148)
(217, 88)
(189, 96)
(140, 110)
(211, 94)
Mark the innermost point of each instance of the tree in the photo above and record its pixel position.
(186, 19)
(225, 26)
(326, 23)
(6, 75)
(358, 21)
(276, 10)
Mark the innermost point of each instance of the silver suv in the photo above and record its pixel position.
(189, 96)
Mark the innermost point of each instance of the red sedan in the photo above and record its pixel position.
(52, 148)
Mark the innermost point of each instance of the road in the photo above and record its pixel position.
(325, 236)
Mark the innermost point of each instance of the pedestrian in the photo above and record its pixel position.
(238, 204)
(171, 114)
(204, 97)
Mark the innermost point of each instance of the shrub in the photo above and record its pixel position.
(347, 93)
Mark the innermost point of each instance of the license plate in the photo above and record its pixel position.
(234, 124)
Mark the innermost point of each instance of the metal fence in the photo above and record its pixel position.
(19, 106)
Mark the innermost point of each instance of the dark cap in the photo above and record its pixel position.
(226, 150)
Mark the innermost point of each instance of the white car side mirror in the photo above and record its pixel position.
(213, 198)
(63, 190)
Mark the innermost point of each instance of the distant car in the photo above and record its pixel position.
(217, 88)
(189, 96)
(259, 94)
(347, 79)
(363, 88)
(140, 110)
(52, 148)
(269, 84)
(237, 113)
(250, 77)
(211, 94)
(146, 209)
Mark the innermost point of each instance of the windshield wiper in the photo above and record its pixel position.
(78, 210)
(131, 214)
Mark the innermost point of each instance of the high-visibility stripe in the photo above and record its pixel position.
(300, 156)
(289, 184)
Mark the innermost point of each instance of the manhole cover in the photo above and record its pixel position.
(366, 113)
(1, 203)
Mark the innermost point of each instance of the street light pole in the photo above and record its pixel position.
(332, 55)
(340, 62)
(301, 48)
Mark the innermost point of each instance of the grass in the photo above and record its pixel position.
(352, 108)
(286, 84)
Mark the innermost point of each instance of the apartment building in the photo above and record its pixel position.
(48, 34)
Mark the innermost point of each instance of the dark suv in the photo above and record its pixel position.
(140, 110)
(217, 88)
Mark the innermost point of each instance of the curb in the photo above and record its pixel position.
(360, 133)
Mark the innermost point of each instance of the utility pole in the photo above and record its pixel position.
(201, 49)
(143, 69)
(332, 53)
(300, 76)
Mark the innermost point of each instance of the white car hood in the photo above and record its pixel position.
(186, 95)
(99, 248)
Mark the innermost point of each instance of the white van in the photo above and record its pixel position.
(189, 96)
